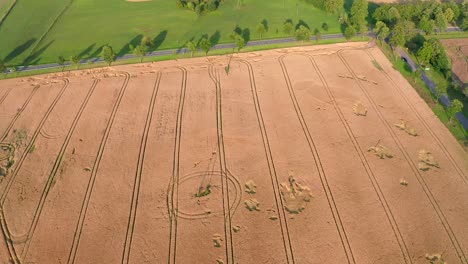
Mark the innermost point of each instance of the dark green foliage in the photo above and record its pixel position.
(325, 26)
(303, 33)
(359, 12)
(288, 27)
(2, 66)
(349, 32)
(199, 6)
(332, 6)
(108, 54)
(205, 45)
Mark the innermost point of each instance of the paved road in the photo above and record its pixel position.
(432, 86)
(160, 53)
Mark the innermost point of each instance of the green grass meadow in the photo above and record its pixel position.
(87, 25)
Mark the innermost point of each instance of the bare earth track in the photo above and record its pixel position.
(265, 161)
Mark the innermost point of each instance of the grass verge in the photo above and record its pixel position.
(439, 110)
(180, 56)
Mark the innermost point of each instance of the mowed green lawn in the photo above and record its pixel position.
(24, 26)
(87, 25)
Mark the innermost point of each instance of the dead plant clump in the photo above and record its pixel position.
(426, 160)
(381, 151)
(250, 187)
(435, 259)
(295, 196)
(252, 204)
(217, 239)
(359, 109)
(403, 125)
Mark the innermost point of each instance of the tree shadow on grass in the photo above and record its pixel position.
(214, 39)
(158, 40)
(302, 23)
(134, 42)
(19, 50)
(265, 24)
(86, 52)
(34, 57)
(96, 53)
(246, 34)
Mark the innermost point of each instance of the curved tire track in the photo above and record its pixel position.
(55, 169)
(18, 113)
(4, 226)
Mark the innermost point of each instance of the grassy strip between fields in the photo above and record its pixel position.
(174, 56)
(450, 35)
(439, 110)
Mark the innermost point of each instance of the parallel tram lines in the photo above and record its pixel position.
(271, 166)
(94, 170)
(228, 243)
(173, 195)
(412, 165)
(421, 119)
(324, 181)
(55, 169)
(139, 172)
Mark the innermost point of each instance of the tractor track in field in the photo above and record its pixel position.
(18, 113)
(55, 169)
(413, 166)
(5, 95)
(95, 168)
(271, 166)
(369, 172)
(139, 172)
(318, 164)
(4, 225)
(426, 126)
(173, 196)
(228, 241)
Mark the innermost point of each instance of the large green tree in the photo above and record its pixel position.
(426, 24)
(108, 54)
(140, 51)
(332, 6)
(303, 33)
(403, 31)
(205, 45)
(61, 61)
(192, 46)
(349, 32)
(288, 28)
(75, 60)
(359, 13)
(426, 52)
(261, 29)
(455, 107)
(240, 42)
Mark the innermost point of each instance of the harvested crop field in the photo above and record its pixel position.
(320, 154)
(457, 49)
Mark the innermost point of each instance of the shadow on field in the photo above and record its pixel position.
(302, 23)
(96, 53)
(19, 50)
(86, 52)
(34, 57)
(134, 42)
(159, 39)
(214, 39)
